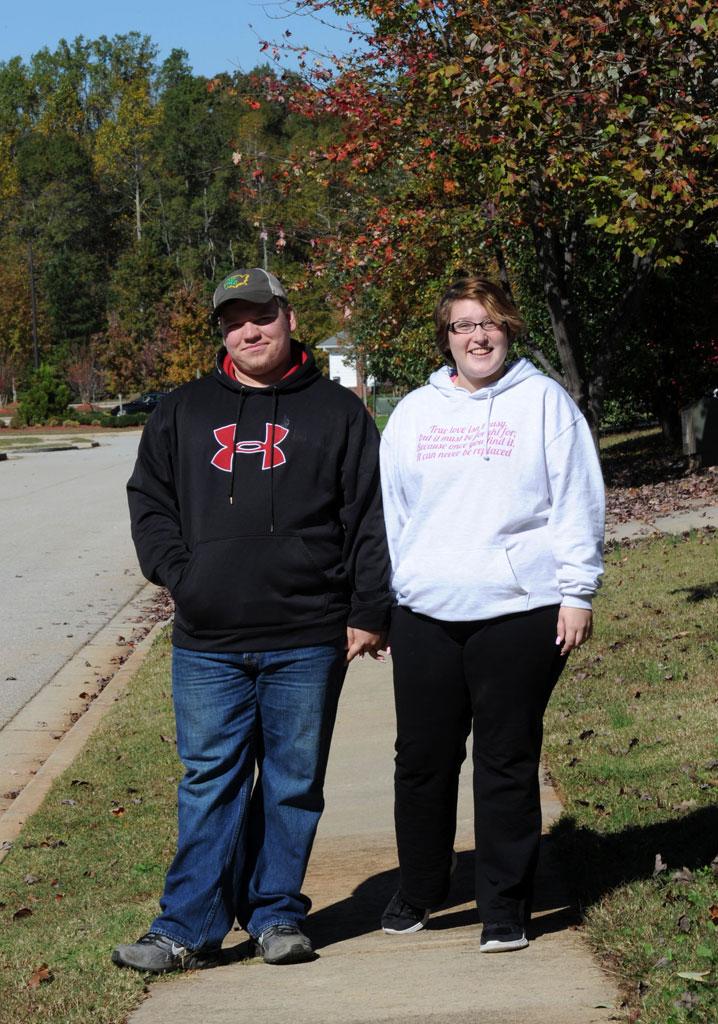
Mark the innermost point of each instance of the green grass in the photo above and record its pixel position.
(99, 869)
(632, 746)
(638, 439)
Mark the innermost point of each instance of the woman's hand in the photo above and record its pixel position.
(575, 626)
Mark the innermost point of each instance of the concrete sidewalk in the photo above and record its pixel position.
(434, 977)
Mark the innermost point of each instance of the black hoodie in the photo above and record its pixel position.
(261, 552)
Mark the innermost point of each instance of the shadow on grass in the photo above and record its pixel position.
(595, 863)
(702, 592)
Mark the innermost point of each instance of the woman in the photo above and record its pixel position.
(494, 509)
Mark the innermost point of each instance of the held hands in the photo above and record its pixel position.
(360, 642)
(575, 626)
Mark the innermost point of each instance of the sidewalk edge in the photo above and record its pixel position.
(71, 745)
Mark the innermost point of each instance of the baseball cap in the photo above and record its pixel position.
(248, 285)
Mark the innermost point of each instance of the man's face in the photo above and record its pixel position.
(257, 337)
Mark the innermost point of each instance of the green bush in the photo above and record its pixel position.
(103, 419)
(46, 397)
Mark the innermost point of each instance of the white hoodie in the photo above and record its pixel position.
(493, 499)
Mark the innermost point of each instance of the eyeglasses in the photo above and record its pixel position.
(469, 326)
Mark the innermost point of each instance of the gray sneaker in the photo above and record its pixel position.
(284, 944)
(157, 954)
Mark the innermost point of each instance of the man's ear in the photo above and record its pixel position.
(291, 317)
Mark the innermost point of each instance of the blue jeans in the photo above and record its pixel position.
(243, 846)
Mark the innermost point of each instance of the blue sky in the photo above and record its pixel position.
(215, 33)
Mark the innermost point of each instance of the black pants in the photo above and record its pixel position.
(496, 675)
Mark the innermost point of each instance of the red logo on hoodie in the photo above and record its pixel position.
(269, 447)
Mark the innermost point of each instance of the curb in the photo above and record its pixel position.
(29, 449)
(71, 745)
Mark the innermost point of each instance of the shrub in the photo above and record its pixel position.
(47, 396)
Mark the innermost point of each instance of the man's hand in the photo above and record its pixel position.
(575, 626)
(360, 642)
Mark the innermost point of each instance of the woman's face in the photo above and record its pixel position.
(479, 355)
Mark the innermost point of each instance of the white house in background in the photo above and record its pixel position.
(343, 365)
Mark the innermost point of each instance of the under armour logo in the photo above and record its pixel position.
(272, 454)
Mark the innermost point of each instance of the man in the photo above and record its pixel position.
(255, 499)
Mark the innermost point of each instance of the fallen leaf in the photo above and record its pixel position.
(42, 975)
(694, 975)
(713, 911)
(31, 879)
(117, 811)
(659, 866)
(683, 923)
(685, 805)
(684, 875)
(168, 739)
(586, 734)
(22, 912)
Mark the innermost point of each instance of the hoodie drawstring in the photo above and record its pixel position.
(275, 404)
(486, 457)
(242, 396)
(271, 459)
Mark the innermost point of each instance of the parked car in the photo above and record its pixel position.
(145, 403)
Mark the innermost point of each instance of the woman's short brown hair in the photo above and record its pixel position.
(490, 295)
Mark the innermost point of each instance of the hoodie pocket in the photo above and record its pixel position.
(245, 582)
(479, 579)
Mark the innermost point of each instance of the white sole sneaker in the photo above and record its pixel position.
(411, 929)
(503, 945)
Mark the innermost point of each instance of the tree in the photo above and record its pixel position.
(489, 130)
(123, 142)
(187, 336)
(46, 396)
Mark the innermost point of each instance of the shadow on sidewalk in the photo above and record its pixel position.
(360, 913)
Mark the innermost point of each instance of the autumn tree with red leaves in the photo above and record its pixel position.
(569, 149)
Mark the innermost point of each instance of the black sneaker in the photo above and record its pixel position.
(157, 954)
(402, 918)
(502, 938)
(284, 944)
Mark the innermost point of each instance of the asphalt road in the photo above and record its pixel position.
(67, 563)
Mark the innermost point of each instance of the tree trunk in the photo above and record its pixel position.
(138, 209)
(668, 415)
(33, 306)
(552, 260)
